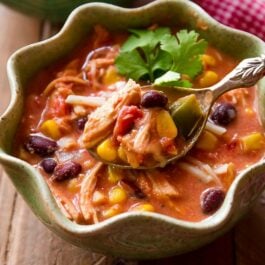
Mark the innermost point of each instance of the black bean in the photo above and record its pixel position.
(41, 146)
(212, 199)
(66, 170)
(152, 98)
(48, 164)
(224, 113)
(80, 123)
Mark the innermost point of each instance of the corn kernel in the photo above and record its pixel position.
(122, 154)
(146, 207)
(114, 174)
(51, 129)
(117, 195)
(249, 111)
(207, 141)
(231, 170)
(165, 125)
(99, 198)
(112, 211)
(208, 78)
(251, 142)
(208, 60)
(73, 185)
(107, 151)
(111, 76)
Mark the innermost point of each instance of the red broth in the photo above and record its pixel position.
(98, 192)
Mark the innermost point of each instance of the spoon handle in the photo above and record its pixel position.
(246, 74)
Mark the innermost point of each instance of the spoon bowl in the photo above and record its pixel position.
(246, 74)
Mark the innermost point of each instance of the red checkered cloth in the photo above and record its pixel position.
(247, 15)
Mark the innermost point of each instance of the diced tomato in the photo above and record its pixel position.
(126, 119)
(232, 145)
(57, 106)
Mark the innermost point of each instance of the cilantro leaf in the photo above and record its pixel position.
(162, 61)
(144, 46)
(186, 50)
(144, 39)
(171, 78)
(168, 77)
(132, 65)
(139, 39)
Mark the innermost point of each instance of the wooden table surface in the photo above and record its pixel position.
(24, 240)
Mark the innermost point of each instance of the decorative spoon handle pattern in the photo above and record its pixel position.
(246, 74)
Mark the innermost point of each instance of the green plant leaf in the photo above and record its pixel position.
(131, 65)
(186, 50)
(144, 38)
(171, 78)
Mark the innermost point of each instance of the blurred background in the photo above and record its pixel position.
(56, 10)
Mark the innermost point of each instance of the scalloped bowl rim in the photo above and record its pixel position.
(210, 223)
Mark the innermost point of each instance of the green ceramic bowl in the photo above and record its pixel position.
(129, 235)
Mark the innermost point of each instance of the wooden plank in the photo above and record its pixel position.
(7, 201)
(16, 31)
(219, 252)
(250, 236)
(42, 246)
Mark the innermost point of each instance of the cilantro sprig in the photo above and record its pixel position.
(141, 55)
(161, 57)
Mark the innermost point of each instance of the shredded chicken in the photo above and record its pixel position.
(64, 209)
(96, 64)
(67, 206)
(237, 96)
(144, 184)
(152, 182)
(101, 122)
(142, 142)
(64, 79)
(86, 192)
(162, 188)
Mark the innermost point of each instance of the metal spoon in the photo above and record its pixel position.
(246, 74)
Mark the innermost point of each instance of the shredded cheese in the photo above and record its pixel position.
(85, 100)
(221, 169)
(216, 129)
(205, 167)
(200, 174)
